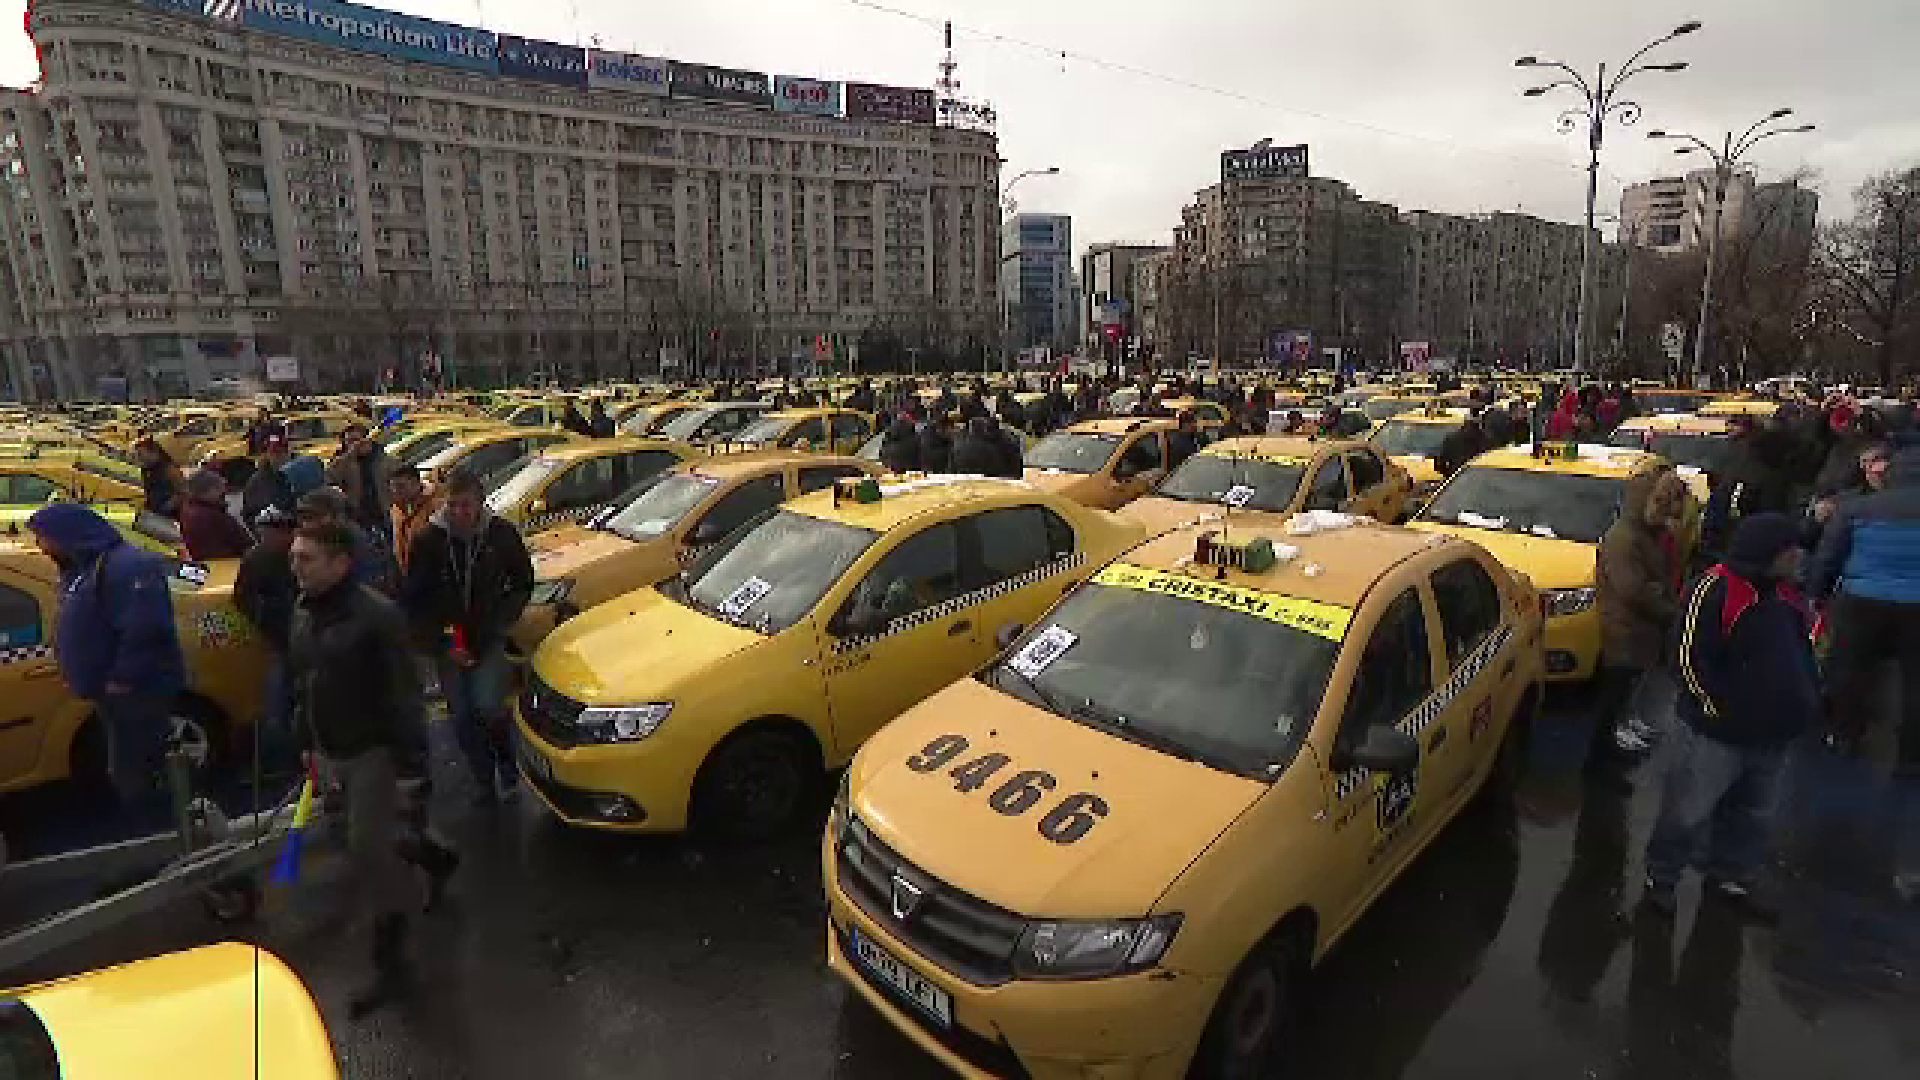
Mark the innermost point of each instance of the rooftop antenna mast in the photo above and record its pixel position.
(947, 88)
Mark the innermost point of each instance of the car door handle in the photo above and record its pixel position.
(960, 627)
(1439, 739)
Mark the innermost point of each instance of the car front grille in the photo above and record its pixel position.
(549, 713)
(990, 1057)
(961, 933)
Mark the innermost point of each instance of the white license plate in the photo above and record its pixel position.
(534, 765)
(936, 1002)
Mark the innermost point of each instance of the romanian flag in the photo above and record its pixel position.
(287, 870)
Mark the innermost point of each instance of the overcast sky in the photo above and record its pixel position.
(1414, 102)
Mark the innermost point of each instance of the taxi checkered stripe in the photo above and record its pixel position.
(965, 600)
(558, 517)
(1422, 718)
(25, 653)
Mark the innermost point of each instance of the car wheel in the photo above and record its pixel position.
(754, 785)
(195, 731)
(1252, 1022)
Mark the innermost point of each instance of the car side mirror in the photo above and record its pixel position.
(1004, 637)
(1383, 749)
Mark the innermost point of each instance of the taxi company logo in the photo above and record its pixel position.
(905, 897)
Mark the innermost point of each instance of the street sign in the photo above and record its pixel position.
(283, 369)
(1673, 339)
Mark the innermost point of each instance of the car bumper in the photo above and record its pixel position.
(620, 788)
(1135, 1027)
(1573, 646)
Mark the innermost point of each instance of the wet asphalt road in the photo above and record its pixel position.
(1510, 949)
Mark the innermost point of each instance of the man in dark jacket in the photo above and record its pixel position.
(162, 484)
(269, 486)
(1638, 586)
(364, 474)
(468, 580)
(599, 421)
(1749, 688)
(936, 443)
(1867, 574)
(206, 528)
(900, 447)
(1461, 445)
(265, 591)
(1184, 440)
(1757, 478)
(117, 647)
(574, 421)
(979, 450)
(359, 701)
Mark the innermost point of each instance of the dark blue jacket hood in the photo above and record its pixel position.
(75, 529)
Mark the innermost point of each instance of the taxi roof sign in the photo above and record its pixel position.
(1255, 556)
(858, 489)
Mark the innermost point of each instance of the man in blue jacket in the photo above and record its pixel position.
(1749, 687)
(117, 647)
(1867, 573)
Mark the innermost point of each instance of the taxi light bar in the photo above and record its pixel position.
(859, 489)
(1557, 451)
(1254, 556)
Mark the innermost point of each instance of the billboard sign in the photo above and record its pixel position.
(541, 61)
(815, 96)
(1416, 355)
(718, 84)
(901, 104)
(625, 71)
(1263, 162)
(365, 29)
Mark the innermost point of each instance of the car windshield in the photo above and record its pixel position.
(1250, 483)
(658, 505)
(1195, 679)
(638, 421)
(424, 447)
(1073, 452)
(1381, 408)
(769, 575)
(519, 481)
(687, 424)
(764, 430)
(1398, 438)
(1704, 452)
(1565, 506)
(1653, 401)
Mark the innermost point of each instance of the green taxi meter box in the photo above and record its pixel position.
(1557, 451)
(856, 489)
(1255, 556)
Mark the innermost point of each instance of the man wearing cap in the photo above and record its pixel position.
(269, 485)
(207, 529)
(1749, 687)
(265, 591)
(328, 504)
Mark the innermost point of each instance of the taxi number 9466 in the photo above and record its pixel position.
(1070, 819)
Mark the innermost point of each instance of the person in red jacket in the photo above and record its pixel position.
(207, 529)
(1560, 424)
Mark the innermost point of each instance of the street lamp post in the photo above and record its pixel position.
(1599, 99)
(1007, 207)
(1726, 158)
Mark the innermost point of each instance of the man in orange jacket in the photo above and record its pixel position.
(413, 507)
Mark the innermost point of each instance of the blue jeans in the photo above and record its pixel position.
(477, 704)
(136, 729)
(1718, 793)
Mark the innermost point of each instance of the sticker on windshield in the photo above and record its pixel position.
(741, 600)
(1238, 496)
(193, 573)
(1321, 620)
(1042, 651)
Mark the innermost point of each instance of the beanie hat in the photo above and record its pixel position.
(1758, 540)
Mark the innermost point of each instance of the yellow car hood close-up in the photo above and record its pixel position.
(1162, 812)
(560, 552)
(632, 646)
(1160, 514)
(1551, 564)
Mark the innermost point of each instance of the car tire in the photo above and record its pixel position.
(1254, 1018)
(199, 730)
(754, 785)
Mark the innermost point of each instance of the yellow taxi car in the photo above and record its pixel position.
(1275, 474)
(1696, 445)
(486, 452)
(1207, 415)
(1120, 849)
(184, 434)
(721, 699)
(313, 432)
(1758, 408)
(643, 419)
(54, 735)
(656, 528)
(1105, 464)
(1413, 439)
(534, 413)
(830, 431)
(1653, 399)
(89, 478)
(207, 1013)
(415, 444)
(570, 482)
(712, 422)
(1542, 509)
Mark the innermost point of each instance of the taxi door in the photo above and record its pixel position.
(1137, 469)
(898, 635)
(32, 696)
(1378, 492)
(1327, 488)
(1477, 647)
(1373, 817)
(1003, 554)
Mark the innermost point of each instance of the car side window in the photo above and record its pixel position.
(849, 426)
(1469, 604)
(1395, 673)
(586, 483)
(923, 570)
(1146, 453)
(27, 488)
(822, 477)
(19, 618)
(1366, 469)
(1002, 544)
(492, 457)
(811, 431)
(631, 469)
(1059, 534)
(743, 504)
(1329, 486)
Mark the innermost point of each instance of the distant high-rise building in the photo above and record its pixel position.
(1675, 214)
(1036, 281)
(1109, 306)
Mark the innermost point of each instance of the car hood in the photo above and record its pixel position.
(561, 552)
(1058, 482)
(633, 647)
(1160, 514)
(1551, 564)
(1162, 812)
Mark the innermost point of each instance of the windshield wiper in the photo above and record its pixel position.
(1115, 724)
(1046, 700)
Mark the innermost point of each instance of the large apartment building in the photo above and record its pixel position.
(1675, 214)
(187, 196)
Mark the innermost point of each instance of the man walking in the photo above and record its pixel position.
(1638, 584)
(413, 508)
(362, 471)
(359, 700)
(117, 648)
(468, 579)
(266, 591)
(207, 529)
(269, 485)
(1749, 688)
(1867, 572)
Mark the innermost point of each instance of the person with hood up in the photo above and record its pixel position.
(117, 647)
(936, 443)
(162, 484)
(468, 579)
(207, 529)
(900, 447)
(1867, 573)
(364, 474)
(269, 485)
(1749, 688)
(265, 591)
(1638, 589)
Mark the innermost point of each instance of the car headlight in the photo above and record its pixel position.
(1092, 949)
(551, 592)
(1560, 602)
(838, 814)
(626, 723)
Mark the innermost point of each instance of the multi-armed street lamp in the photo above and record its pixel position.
(1726, 159)
(1600, 100)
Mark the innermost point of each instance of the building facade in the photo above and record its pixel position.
(1675, 214)
(1109, 304)
(188, 196)
(1036, 282)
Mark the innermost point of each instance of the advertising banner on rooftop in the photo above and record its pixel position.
(901, 104)
(626, 71)
(719, 84)
(365, 29)
(541, 61)
(796, 95)
(1263, 162)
